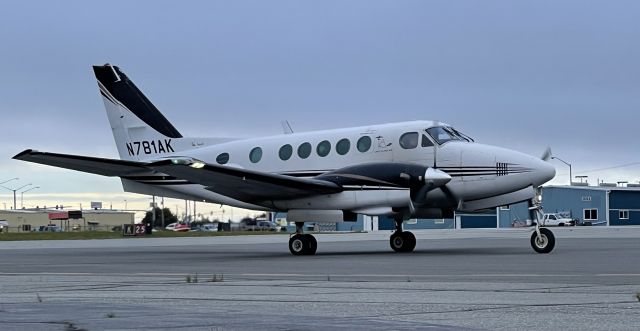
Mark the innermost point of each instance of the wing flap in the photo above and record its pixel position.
(94, 165)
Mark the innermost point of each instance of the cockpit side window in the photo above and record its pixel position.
(409, 140)
(426, 142)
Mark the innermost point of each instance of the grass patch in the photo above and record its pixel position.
(17, 236)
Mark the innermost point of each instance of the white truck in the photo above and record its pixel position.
(557, 219)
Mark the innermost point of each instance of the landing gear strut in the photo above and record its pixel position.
(542, 239)
(302, 244)
(402, 241)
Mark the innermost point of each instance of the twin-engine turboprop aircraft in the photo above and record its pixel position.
(419, 169)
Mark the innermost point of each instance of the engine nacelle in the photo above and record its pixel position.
(321, 216)
(432, 213)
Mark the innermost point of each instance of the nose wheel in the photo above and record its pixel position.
(543, 241)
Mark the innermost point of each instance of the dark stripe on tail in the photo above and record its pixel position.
(126, 92)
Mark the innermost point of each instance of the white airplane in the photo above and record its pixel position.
(419, 169)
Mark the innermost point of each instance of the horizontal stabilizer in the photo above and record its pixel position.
(94, 165)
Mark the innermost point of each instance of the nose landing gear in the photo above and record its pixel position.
(542, 239)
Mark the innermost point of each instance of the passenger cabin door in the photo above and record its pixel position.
(415, 147)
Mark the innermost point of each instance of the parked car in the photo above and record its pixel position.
(557, 219)
(181, 227)
(209, 228)
(4, 225)
(178, 227)
(266, 226)
(48, 228)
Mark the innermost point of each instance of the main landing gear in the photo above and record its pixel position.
(402, 241)
(302, 244)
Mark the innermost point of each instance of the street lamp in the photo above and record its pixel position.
(8, 180)
(567, 163)
(14, 192)
(22, 195)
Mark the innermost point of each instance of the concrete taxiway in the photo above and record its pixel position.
(471, 279)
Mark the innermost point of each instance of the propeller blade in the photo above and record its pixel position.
(547, 154)
(433, 178)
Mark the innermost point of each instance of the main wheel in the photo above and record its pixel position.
(543, 243)
(402, 242)
(298, 244)
(411, 241)
(312, 244)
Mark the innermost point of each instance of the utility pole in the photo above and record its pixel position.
(153, 211)
(162, 212)
(186, 211)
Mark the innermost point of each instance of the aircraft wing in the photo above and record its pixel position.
(94, 165)
(245, 185)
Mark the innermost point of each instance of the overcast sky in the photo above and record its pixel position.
(518, 74)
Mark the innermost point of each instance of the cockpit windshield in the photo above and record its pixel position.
(444, 134)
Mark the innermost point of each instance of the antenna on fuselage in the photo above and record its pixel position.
(286, 127)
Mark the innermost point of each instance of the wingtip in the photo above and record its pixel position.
(23, 153)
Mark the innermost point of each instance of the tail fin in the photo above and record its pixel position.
(139, 129)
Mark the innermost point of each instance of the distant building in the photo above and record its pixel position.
(28, 220)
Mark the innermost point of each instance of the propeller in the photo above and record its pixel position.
(433, 178)
(546, 156)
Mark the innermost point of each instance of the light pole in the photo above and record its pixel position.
(567, 163)
(8, 180)
(14, 192)
(22, 195)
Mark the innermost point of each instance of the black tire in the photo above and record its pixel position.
(312, 244)
(411, 241)
(545, 243)
(397, 242)
(402, 242)
(298, 244)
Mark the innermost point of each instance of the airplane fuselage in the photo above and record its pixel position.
(478, 171)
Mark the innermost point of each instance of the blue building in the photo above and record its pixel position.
(597, 205)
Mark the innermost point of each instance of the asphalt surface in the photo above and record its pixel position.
(471, 280)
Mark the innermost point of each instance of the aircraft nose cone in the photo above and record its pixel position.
(544, 172)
